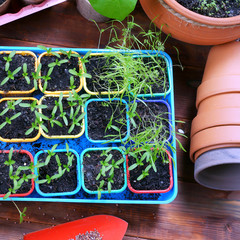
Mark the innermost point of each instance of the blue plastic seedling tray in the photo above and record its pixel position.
(82, 143)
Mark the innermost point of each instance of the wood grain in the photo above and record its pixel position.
(197, 212)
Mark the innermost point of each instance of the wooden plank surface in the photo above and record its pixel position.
(196, 213)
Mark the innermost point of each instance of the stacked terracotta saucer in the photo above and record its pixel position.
(215, 133)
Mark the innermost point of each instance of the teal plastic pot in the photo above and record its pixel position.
(86, 121)
(59, 193)
(167, 60)
(82, 171)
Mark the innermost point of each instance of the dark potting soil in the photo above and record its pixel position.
(92, 167)
(57, 130)
(99, 67)
(98, 117)
(91, 235)
(21, 159)
(19, 83)
(150, 113)
(213, 8)
(159, 180)
(158, 82)
(20, 125)
(66, 183)
(60, 76)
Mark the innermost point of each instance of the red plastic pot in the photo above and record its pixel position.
(110, 227)
(32, 181)
(185, 25)
(151, 191)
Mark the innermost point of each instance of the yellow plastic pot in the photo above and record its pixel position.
(58, 92)
(20, 139)
(17, 93)
(97, 93)
(60, 136)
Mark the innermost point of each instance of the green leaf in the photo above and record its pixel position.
(116, 9)
(7, 195)
(4, 80)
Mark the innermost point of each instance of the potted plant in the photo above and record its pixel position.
(61, 72)
(107, 74)
(19, 120)
(16, 177)
(103, 170)
(149, 170)
(150, 75)
(63, 116)
(58, 172)
(106, 120)
(191, 27)
(102, 10)
(148, 118)
(18, 72)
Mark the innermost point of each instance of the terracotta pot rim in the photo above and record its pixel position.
(229, 116)
(214, 136)
(206, 149)
(201, 18)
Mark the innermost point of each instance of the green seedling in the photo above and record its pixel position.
(57, 63)
(9, 120)
(8, 59)
(36, 76)
(10, 75)
(79, 73)
(11, 105)
(46, 78)
(25, 73)
(48, 50)
(70, 54)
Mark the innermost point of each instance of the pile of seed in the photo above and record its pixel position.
(91, 235)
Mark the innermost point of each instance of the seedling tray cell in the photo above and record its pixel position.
(79, 144)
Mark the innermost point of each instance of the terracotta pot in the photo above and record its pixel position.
(230, 100)
(219, 169)
(215, 117)
(222, 72)
(4, 6)
(214, 136)
(223, 61)
(191, 27)
(87, 11)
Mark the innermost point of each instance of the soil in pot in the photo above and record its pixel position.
(62, 129)
(92, 167)
(152, 115)
(60, 76)
(19, 83)
(103, 117)
(159, 180)
(66, 183)
(20, 125)
(105, 75)
(21, 159)
(213, 8)
(149, 75)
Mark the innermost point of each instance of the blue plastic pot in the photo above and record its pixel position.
(169, 113)
(82, 171)
(59, 193)
(86, 121)
(169, 75)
